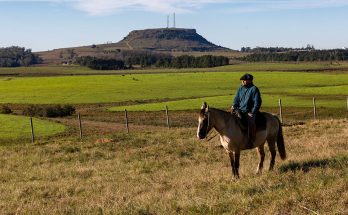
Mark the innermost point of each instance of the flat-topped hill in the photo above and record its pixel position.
(175, 41)
(169, 39)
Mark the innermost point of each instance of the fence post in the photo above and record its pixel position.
(80, 125)
(32, 130)
(167, 114)
(314, 109)
(126, 117)
(280, 111)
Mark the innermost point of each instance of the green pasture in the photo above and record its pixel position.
(18, 127)
(295, 88)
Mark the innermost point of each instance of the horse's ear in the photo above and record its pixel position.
(204, 105)
(207, 109)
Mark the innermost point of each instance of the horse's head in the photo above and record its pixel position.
(204, 124)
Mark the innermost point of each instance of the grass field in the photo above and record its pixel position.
(171, 172)
(140, 88)
(18, 127)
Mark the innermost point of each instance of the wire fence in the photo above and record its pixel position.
(26, 130)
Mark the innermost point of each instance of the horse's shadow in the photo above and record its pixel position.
(305, 166)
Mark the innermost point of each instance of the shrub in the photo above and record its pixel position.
(59, 111)
(4, 109)
(49, 111)
(33, 110)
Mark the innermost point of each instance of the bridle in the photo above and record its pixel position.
(208, 132)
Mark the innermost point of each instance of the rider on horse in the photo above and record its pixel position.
(248, 101)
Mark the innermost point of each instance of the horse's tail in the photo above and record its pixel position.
(280, 141)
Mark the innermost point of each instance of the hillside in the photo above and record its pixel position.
(175, 41)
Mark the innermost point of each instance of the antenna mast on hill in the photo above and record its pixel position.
(167, 21)
(174, 20)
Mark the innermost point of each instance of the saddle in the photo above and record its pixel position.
(260, 121)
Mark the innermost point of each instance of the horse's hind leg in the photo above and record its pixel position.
(261, 152)
(272, 149)
(234, 158)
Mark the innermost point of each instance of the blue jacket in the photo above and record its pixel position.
(248, 99)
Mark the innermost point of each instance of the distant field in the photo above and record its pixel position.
(44, 70)
(224, 102)
(293, 87)
(250, 67)
(14, 127)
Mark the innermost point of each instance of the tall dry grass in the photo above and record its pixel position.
(171, 172)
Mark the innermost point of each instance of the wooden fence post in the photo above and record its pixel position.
(80, 125)
(280, 111)
(314, 109)
(32, 130)
(126, 117)
(167, 114)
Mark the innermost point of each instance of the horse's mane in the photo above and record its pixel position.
(218, 110)
(225, 114)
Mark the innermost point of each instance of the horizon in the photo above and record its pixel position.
(52, 24)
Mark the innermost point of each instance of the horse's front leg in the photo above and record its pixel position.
(236, 162)
(234, 158)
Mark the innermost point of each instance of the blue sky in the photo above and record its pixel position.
(47, 24)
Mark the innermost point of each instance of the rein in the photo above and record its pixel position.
(210, 137)
(206, 137)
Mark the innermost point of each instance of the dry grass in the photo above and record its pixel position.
(170, 172)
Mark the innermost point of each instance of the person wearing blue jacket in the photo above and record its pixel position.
(248, 102)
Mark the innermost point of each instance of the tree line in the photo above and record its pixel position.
(153, 60)
(296, 56)
(258, 49)
(101, 63)
(164, 60)
(15, 56)
(187, 61)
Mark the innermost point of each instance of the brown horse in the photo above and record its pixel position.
(234, 138)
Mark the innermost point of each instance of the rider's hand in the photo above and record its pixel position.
(232, 109)
(250, 114)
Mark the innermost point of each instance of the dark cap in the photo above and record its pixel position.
(247, 77)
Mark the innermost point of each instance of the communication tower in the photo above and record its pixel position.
(167, 21)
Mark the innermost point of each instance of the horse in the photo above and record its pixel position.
(234, 138)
